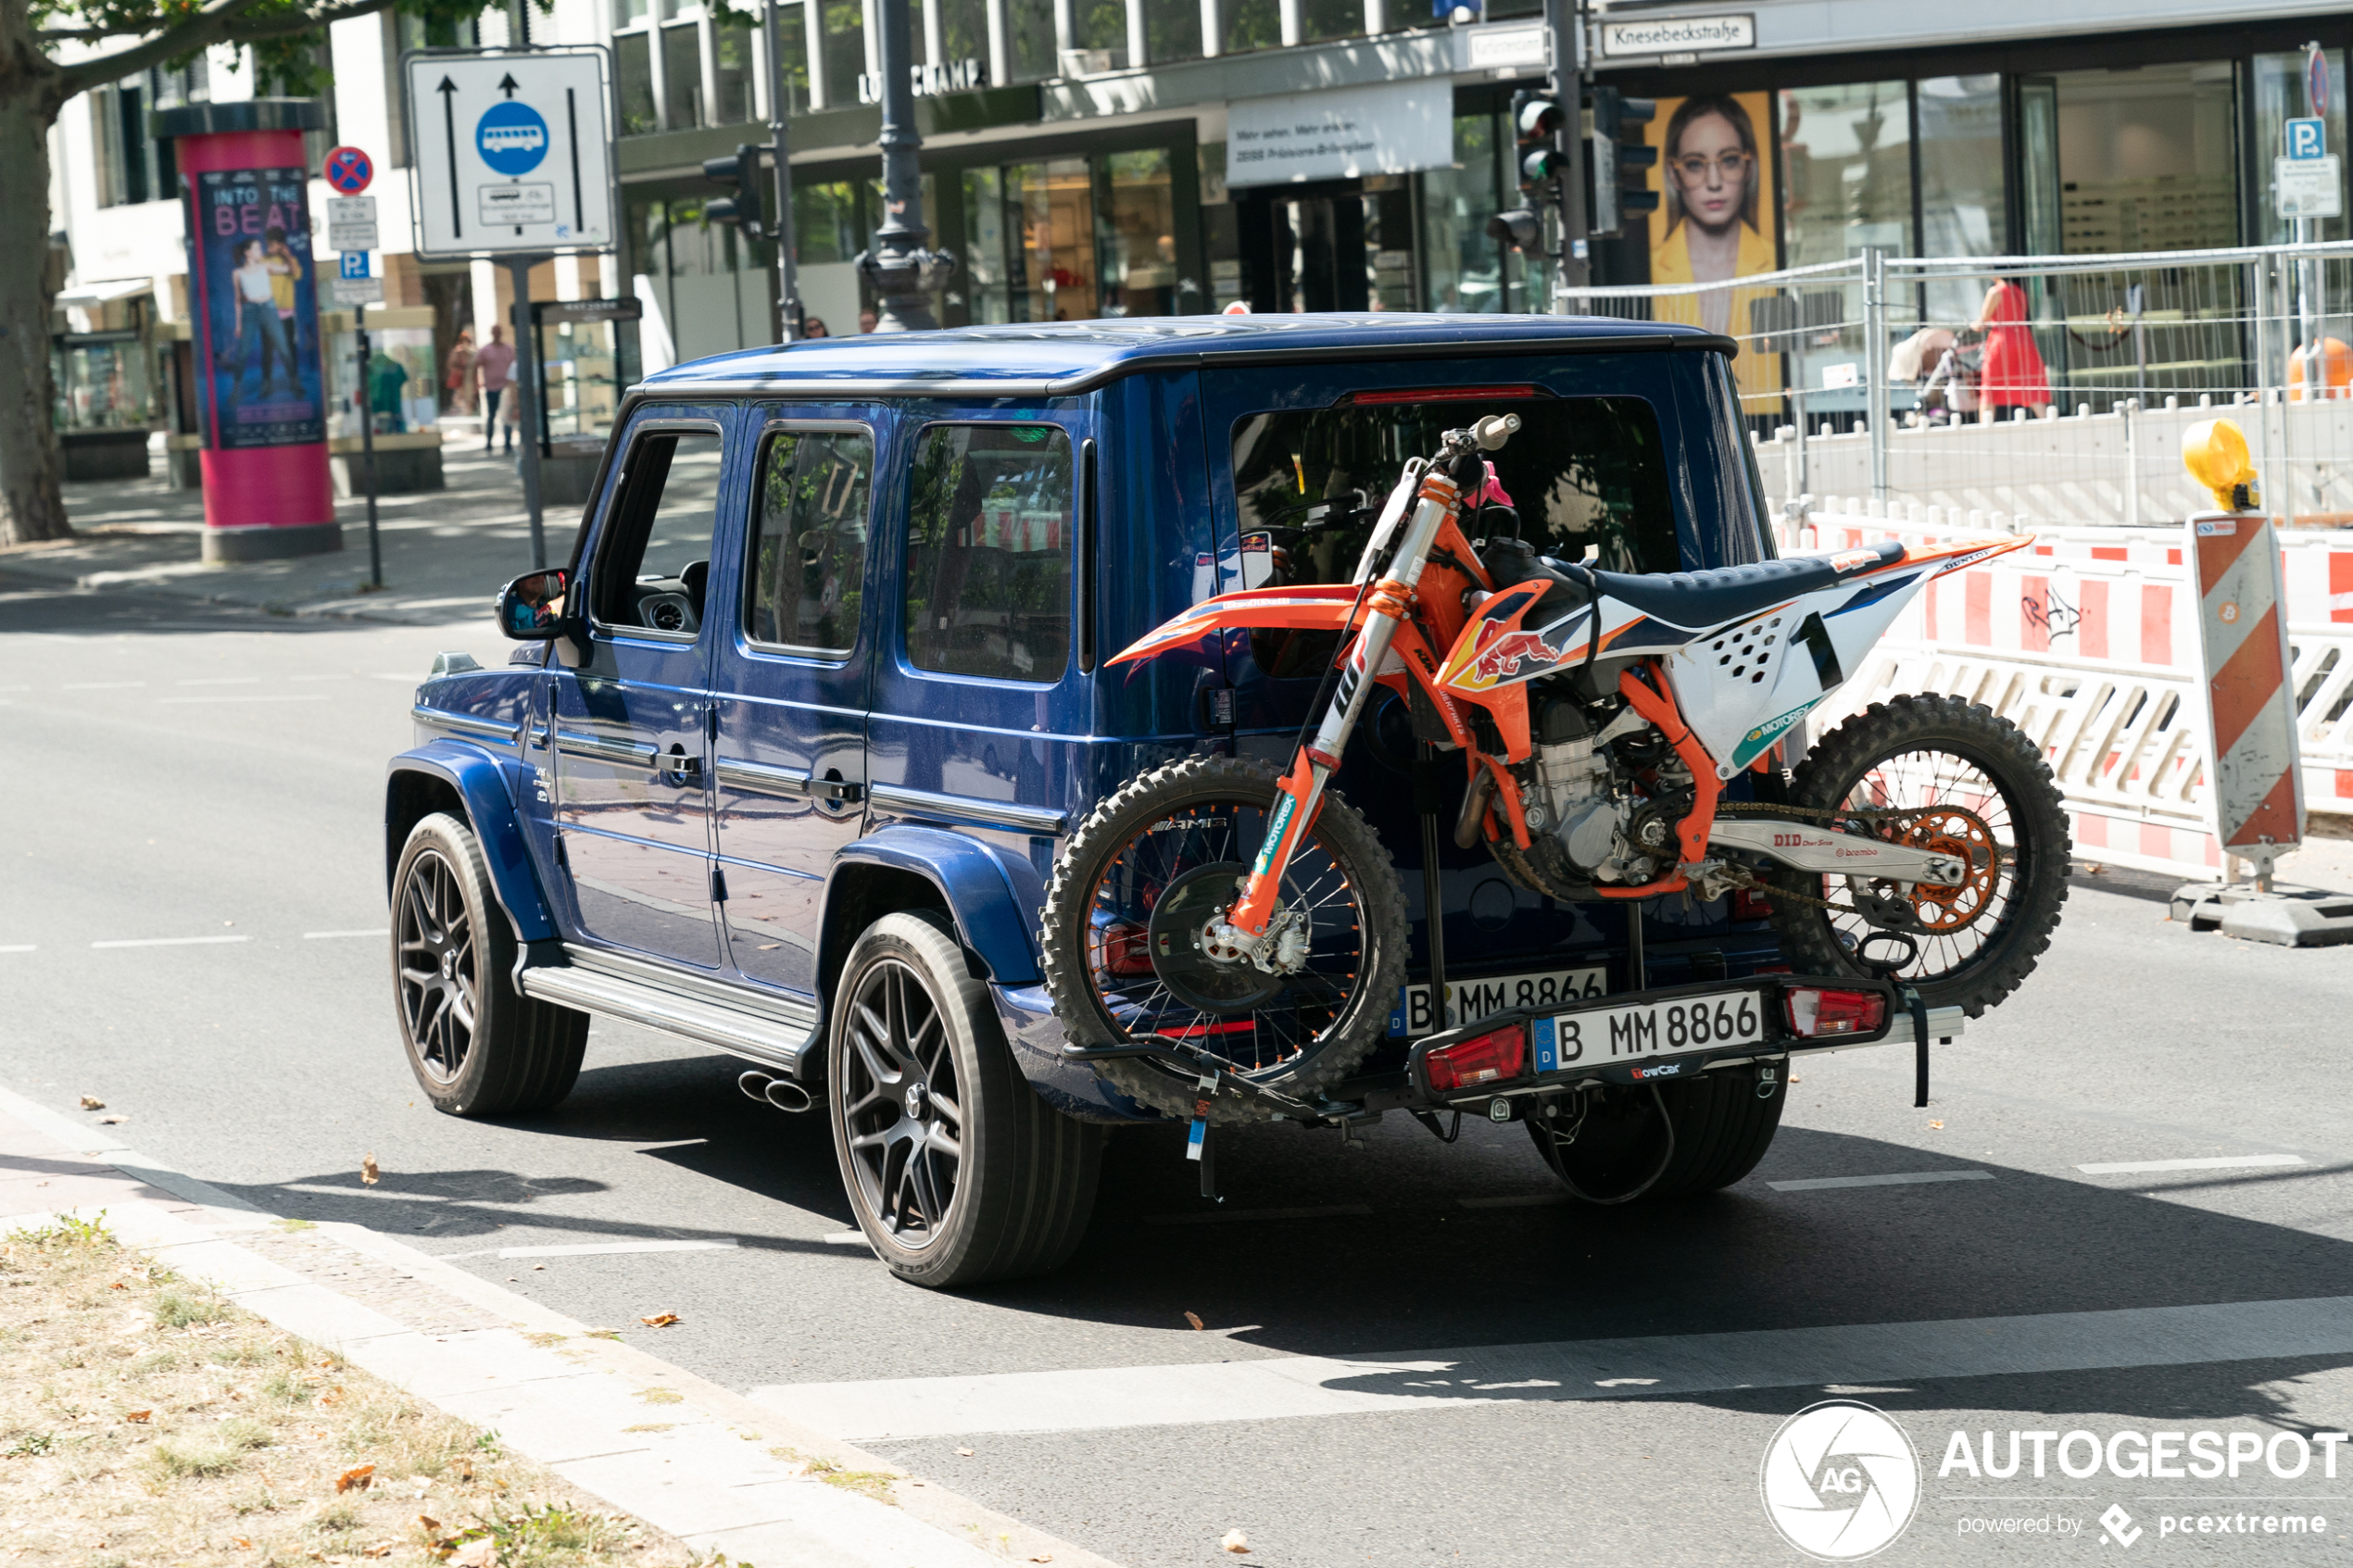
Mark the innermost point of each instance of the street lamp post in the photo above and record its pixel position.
(901, 268)
(788, 307)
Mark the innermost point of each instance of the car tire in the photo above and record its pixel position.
(1720, 1126)
(477, 1045)
(909, 1010)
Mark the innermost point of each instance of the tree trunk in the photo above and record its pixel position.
(31, 506)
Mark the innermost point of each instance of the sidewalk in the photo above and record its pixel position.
(446, 553)
(717, 1472)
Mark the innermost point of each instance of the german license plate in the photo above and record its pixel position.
(1601, 1035)
(1470, 1000)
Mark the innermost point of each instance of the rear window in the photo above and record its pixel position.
(1587, 475)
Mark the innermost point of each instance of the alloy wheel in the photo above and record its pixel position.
(902, 1107)
(436, 947)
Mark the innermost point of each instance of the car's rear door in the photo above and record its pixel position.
(790, 677)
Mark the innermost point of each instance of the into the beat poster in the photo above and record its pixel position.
(1714, 220)
(258, 323)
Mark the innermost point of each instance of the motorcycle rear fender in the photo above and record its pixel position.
(1319, 607)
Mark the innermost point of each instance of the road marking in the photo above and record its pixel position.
(846, 1239)
(2215, 1162)
(1896, 1179)
(317, 677)
(248, 696)
(101, 685)
(222, 681)
(1518, 1200)
(1280, 1387)
(1227, 1216)
(329, 935)
(595, 1249)
(18, 947)
(170, 941)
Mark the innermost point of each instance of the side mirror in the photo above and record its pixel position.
(533, 606)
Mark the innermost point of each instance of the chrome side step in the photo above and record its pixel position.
(777, 1033)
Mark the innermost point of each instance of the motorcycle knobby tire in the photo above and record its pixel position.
(1166, 791)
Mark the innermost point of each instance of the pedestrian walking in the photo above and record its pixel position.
(495, 364)
(458, 375)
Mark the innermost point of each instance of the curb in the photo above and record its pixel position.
(695, 1461)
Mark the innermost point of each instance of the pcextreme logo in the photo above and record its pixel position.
(1841, 1481)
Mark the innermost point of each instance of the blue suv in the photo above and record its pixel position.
(789, 749)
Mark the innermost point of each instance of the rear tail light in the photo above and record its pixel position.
(1126, 949)
(1482, 1059)
(1813, 1015)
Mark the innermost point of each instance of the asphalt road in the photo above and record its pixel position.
(1412, 1370)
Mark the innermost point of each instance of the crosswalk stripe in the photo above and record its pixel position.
(1278, 1387)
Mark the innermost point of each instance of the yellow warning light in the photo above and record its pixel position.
(2215, 453)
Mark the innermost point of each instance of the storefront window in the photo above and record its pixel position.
(988, 283)
(2147, 159)
(1961, 190)
(845, 50)
(1138, 235)
(102, 381)
(710, 284)
(1099, 27)
(1057, 278)
(827, 237)
(963, 32)
(792, 26)
(2280, 96)
(1465, 266)
(634, 63)
(1846, 162)
(1031, 25)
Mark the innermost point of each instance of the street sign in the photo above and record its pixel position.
(351, 223)
(352, 285)
(348, 170)
(2316, 79)
(2308, 139)
(512, 153)
(2307, 187)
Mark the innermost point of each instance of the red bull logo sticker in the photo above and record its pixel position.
(1502, 658)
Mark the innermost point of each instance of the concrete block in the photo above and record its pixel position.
(2287, 916)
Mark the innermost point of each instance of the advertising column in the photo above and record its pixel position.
(253, 309)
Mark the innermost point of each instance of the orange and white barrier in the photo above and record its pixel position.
(2088, 641)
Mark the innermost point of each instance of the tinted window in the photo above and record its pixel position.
(656, 556)
(1587, 476)
(988, 552)
(807, 554)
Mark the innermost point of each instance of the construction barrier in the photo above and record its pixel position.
(2088, 642)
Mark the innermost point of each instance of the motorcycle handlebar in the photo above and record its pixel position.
(1493, 431)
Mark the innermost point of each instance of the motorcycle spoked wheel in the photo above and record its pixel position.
(1972, 946)
(1118, 976)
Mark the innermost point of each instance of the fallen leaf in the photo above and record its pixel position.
(241, 1543)
(369, 1172)
(1936, 1124)
(965, 1453)
(1194, 1318)
(1043, 1557)
(91, 1102)
(1235, 1542)
(432, 1526)
(356, 1478)
(112, 1121)
(382, 1549)
(137, 1415)
(659, 1320)
(118, 1284)
(539, 1265)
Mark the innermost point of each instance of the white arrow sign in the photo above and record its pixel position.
(513, 154)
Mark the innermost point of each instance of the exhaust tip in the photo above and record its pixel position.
(755, 1084)
(786, 1095)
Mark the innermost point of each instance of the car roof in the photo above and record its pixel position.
(1063, 358)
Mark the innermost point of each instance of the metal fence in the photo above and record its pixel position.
(2036, 390)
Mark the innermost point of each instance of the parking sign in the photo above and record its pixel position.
(2308, 139)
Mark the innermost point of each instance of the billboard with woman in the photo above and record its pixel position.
(258, 321)
(1713, 222)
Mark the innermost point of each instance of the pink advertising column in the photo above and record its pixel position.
(253, 306)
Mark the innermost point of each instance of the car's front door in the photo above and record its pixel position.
(631, 724)
(791, 678)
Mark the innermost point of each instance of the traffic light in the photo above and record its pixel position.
(1521, 227)
(742, 171)
(1621, 181)
(1536, 120)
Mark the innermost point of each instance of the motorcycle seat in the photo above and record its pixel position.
(1697, 600)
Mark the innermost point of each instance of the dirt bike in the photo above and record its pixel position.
(1254, 917)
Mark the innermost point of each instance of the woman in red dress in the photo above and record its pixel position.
(2013, 376)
